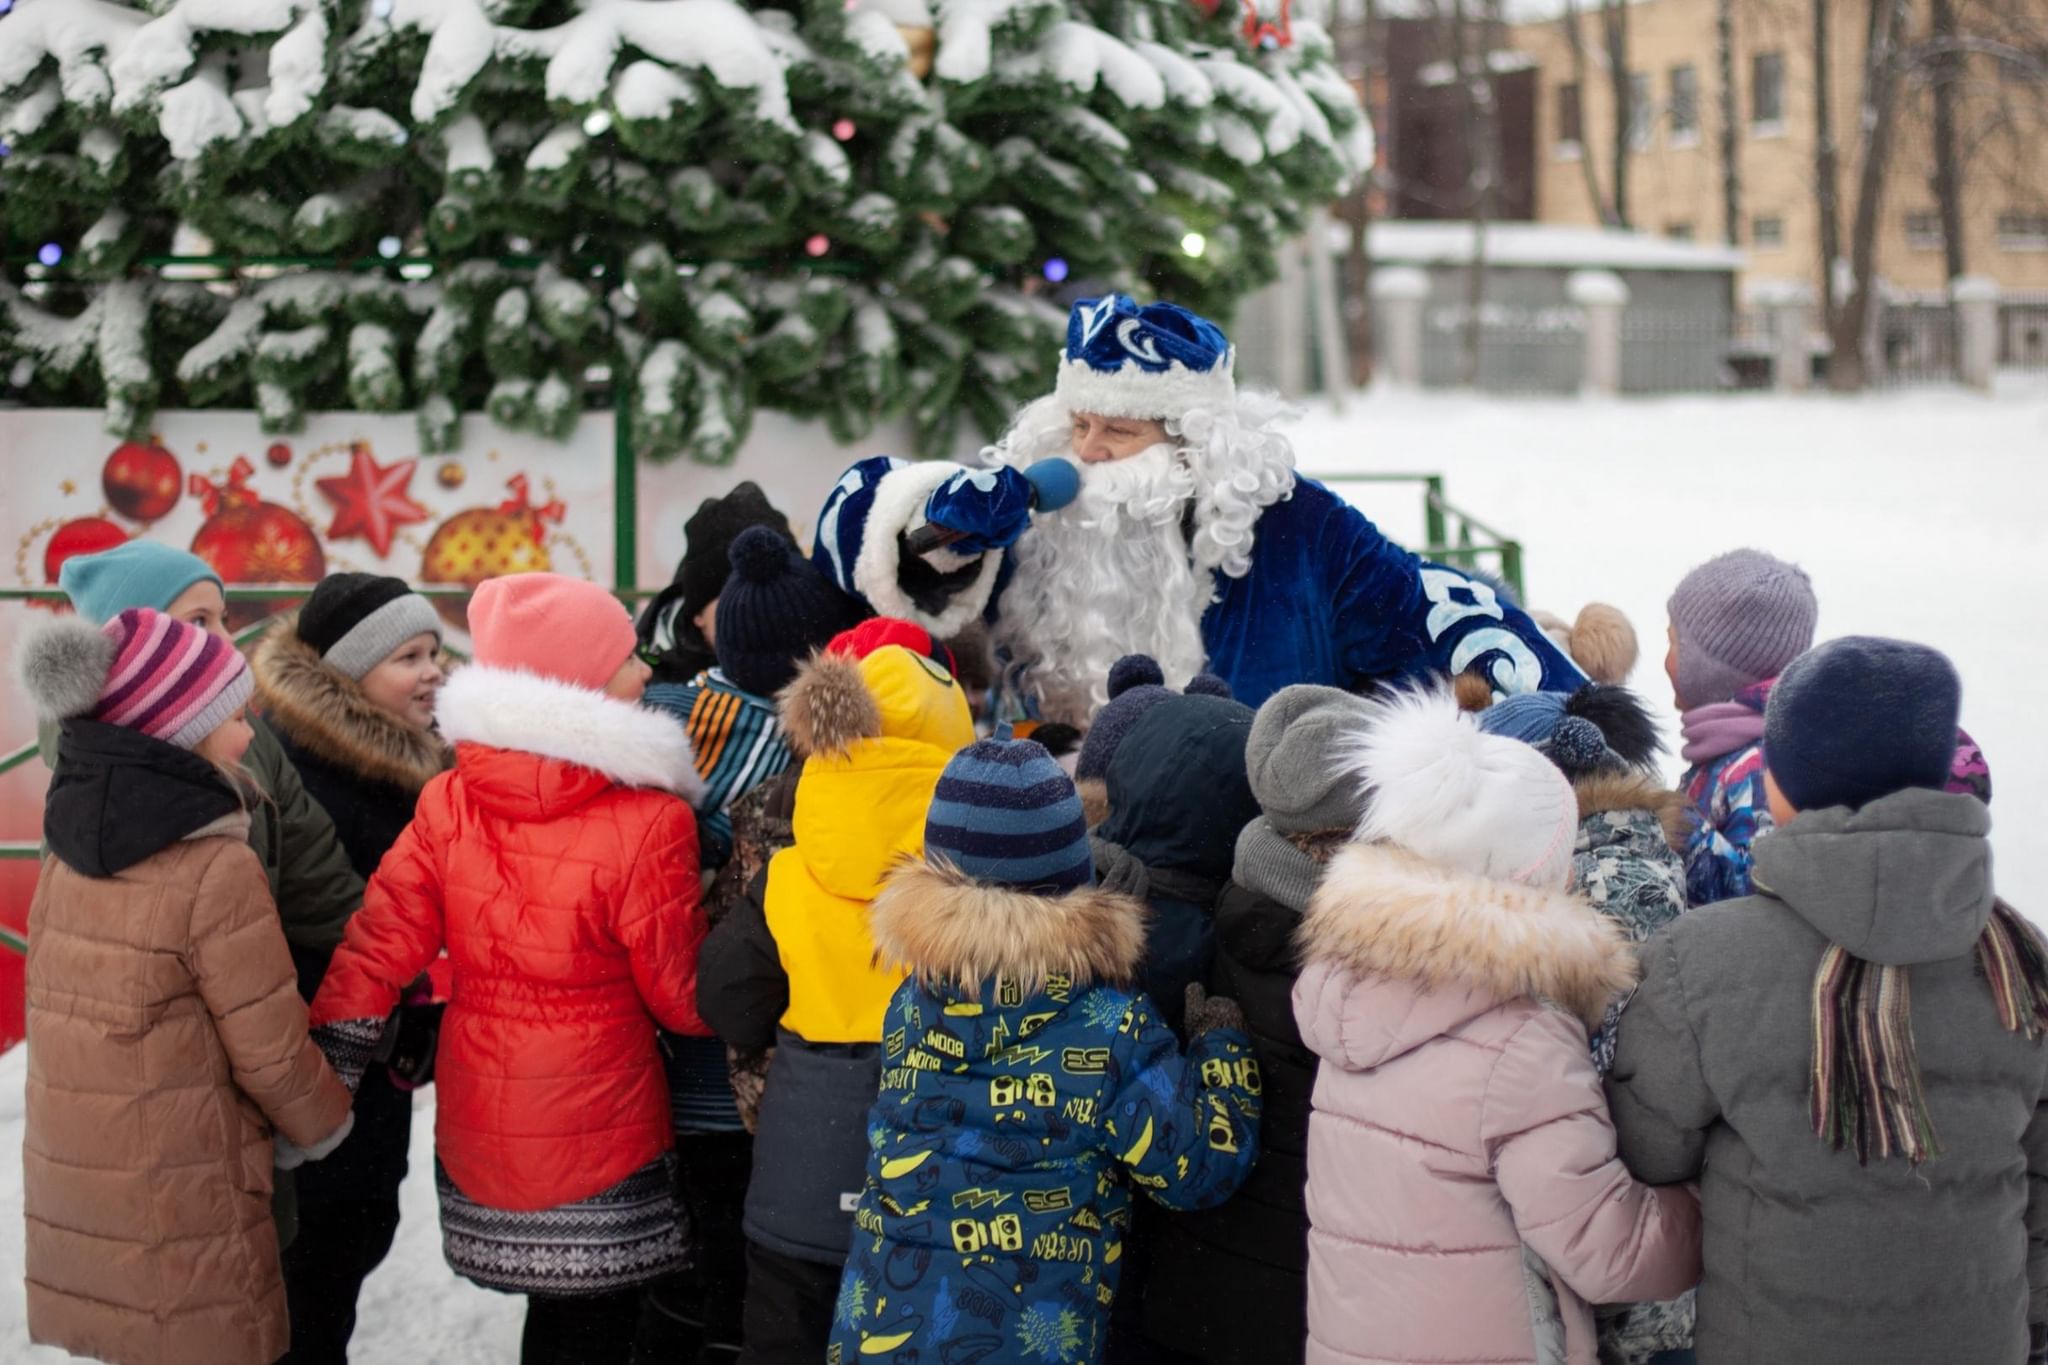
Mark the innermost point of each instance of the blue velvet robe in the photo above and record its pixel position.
(1328, 599)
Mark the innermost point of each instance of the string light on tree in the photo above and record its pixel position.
(818, 245)
(842, 129)
(597, 123)
(49, 253)
(1055, 270)
(389, 247)
(1193, 245)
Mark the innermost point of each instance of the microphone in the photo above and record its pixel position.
(1054, 484)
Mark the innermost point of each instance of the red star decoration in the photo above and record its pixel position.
(371, 500)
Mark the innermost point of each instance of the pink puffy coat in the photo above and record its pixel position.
(1465, 1200)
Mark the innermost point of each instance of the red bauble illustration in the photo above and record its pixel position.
(248, 540)
(141, 480)
(85, 536)
(279, 455)
(489, 542)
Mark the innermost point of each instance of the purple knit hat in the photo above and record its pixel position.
(1740, 618)
(171, 681)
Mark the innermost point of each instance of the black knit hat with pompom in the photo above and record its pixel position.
(1136, 685)
(772, 612)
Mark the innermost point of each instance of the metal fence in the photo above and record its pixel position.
(2023, 331)
(1667, 350)
(1522, 350)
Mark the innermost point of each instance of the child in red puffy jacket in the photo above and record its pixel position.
(558, 868)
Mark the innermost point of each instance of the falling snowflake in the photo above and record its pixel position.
(1104, 1010)
(853, 1301)
(1049, 1331)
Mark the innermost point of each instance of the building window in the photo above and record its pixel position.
(1923, 231)
(1685, 106)
(1570, 121)
(2023, 231)
(1642, 110)
(1767, 234)
(1678, 232)
(1767, 93)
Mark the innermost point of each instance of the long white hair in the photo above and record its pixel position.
(1130, 566)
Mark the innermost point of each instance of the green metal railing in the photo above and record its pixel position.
(1455, 537)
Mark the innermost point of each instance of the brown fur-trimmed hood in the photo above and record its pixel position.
(827, 707)
(1599, 793)
(1383, 912)
(324, 712)
(948, 928)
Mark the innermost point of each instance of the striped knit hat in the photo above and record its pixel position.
(1006, 813)
(173, 682)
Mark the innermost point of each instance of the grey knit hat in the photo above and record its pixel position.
(1292, 762)
(1740, 619)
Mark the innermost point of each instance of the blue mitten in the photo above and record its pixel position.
(990, 506)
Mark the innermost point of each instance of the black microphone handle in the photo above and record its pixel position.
(931, 536)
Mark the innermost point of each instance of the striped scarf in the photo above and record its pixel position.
(1866, 1090)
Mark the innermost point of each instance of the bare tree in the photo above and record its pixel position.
(1826, 156)
(1611, 209)
(1357, 39)
(1472, 46)
(1847, 369)
(1947, 62)
(1614, 29)
(1731, 171)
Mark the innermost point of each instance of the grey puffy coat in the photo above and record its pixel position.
(1810, 1257)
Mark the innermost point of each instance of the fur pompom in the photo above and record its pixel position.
(1134, 670)
(1209, 685)
(1426, 752)
(1622, 720)
(1603, 644)
(63, 665)
(829, 707)
(1473, 691)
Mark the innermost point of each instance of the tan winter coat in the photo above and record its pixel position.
(166, 1037)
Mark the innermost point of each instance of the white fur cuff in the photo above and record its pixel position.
(898, 507)
(1149, 395)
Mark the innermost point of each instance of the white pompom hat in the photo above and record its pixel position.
(1453, 795)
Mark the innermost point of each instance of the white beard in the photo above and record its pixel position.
(1107, 576)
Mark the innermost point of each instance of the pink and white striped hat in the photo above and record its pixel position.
(171, 681)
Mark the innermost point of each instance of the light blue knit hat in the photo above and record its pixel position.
(137, 573)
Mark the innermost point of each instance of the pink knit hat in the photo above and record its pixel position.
(553, 627)
(171, 681)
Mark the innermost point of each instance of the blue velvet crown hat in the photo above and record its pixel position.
(1155, 360)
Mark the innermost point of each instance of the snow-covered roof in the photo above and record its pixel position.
(1544, 244)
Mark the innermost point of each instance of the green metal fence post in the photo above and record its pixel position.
(1433, 510)
(625, 495)
(1511, 567)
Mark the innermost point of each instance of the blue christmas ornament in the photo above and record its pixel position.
(1153, 361)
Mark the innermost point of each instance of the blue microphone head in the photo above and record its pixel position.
(1057, 483)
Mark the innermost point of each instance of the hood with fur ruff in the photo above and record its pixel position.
(1602, 792)
(1444, 947)
(325, 712)
(523, 713)
(948, 928)
(837, 700)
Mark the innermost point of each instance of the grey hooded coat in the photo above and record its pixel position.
(1809, 1256)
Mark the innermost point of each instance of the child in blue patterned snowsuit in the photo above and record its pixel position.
(1024, 1087)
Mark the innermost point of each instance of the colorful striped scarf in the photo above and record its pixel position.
(1866, 1090)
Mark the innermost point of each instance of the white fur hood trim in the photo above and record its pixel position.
(898, 506)
(505, 709)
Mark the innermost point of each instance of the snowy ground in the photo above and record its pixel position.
(414, 1310)
(1918, 515)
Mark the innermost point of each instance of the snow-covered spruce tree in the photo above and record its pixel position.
(838, 208)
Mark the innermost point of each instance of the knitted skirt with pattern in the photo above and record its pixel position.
(627, 1235)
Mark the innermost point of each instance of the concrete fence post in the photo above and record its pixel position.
(1605, 298)
(1400, 293)
(1976, 304)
